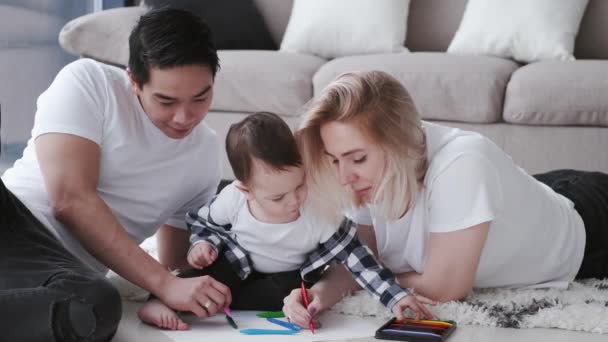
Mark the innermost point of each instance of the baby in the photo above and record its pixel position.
(256, 238)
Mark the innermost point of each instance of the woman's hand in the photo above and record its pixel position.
(414, 303)
(296, 313)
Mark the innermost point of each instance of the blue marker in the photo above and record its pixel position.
(267, 332)
(284, 324)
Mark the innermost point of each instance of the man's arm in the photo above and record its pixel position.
(70, 168)
(173, 244)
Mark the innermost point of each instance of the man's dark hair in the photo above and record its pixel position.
(166, 38)
(264, 136)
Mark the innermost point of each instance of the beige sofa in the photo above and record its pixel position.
(546, 115)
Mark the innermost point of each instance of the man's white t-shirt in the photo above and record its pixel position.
(536, 237)
(146, 178)
(272, 247)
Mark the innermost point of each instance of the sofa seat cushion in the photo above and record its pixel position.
(258, 80)
(444, 87)
(559, 93)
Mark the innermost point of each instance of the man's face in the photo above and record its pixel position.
(176, 99)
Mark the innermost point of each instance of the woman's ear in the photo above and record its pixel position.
(244, 189)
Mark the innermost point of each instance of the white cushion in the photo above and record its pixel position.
(336, 28)
(525, 30)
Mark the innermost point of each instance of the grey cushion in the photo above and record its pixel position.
(431, 24)
(592, 40)
(102, 35)
(276, 14)
(444, 87)
(256, 80)
(559, 93)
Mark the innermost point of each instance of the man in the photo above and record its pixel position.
(114, 156)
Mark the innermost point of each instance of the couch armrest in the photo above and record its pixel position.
(101, 35)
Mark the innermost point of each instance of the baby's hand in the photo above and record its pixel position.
(202, 255)
(414, 303)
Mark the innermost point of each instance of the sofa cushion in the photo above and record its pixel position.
(444, 87)
(102, 35)
(554, 93)
(527, 31)
(256, 80)
(592, 40)
(235, 24)
(276, 16)
(339, 28)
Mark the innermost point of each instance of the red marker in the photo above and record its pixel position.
(306, 302)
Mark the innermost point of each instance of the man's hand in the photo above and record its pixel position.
(202, 255)
(204, 296)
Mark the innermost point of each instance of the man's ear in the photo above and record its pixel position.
(244, 189)
(134, 85)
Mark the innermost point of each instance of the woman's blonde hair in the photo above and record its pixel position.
(384, 112)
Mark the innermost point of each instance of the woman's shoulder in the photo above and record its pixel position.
(447, 146)
(444, 144)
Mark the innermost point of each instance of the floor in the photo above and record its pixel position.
(131, 329)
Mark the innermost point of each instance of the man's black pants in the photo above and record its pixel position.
(46, 293)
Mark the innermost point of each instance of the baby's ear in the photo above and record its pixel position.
(244, 189)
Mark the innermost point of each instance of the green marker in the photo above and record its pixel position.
(271, 314)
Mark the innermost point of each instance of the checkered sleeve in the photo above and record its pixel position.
(204, 228)
(345, 247)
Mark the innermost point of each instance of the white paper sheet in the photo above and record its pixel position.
(334, 327)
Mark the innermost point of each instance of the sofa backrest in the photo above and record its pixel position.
(432, 24)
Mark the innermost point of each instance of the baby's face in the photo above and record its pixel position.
(279, 194)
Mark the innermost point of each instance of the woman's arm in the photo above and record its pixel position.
(368, 237)
(335, 284)
(451, 264)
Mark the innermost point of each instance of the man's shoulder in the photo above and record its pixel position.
(90, 74)
(83, 66)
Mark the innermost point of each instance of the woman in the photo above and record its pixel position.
(450, 210)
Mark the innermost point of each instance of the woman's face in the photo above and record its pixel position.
(358, 161)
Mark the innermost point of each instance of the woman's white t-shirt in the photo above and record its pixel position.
(536, 237)
(146, 178)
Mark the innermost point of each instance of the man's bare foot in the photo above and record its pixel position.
(154, 312)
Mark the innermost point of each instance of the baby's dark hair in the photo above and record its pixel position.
(264, 136)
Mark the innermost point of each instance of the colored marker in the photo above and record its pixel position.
(306, 302)
(229, 318)
(271, 314)
(284, 324)
(429, 322)
(411, 333)
(267, 332)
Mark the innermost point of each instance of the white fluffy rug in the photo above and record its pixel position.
(582, 307)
